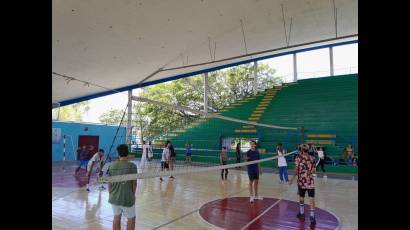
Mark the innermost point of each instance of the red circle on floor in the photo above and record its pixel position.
(269, 213)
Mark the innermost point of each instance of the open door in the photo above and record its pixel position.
(91, 142)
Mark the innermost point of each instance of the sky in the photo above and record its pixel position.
(309, 64)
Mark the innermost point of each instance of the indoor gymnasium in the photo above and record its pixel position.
(205, 114)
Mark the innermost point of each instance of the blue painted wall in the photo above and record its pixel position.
(106, 135)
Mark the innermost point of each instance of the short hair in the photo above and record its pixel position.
(122, 150)
(253, 141)
(224, 147)
(280, 144)
(101, 150)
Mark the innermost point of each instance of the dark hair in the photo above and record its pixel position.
(101, 150)
(143, 142)
(253, 141)
(122, 150)
(280, 144)
(224, 147)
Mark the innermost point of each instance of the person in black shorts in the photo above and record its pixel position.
(173, 156)
(253, 172)
(224, 159)
(238, 154)
(304, 169)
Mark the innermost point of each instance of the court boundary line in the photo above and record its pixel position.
(339, 226)
(196, 210)
(260, 215)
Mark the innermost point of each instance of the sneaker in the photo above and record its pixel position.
(88, 190)
(160, 179)
(251, 199)
(258, 198)
(281, 182)
(314, 175)
(300, 216)
(312, 220)
(102, 187)
(325, 176)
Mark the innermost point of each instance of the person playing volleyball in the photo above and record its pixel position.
(253, 172)
(223, 160)
(165, 159)
(98, 160)
(83, 157)
(122, 194)
(304, 169)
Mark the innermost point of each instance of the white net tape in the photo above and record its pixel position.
(146, 175)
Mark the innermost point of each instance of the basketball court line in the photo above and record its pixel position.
(260, 215)
(196, 210)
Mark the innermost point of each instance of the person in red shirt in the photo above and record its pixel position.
(304, 170)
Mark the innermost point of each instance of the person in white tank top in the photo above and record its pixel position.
(144, 160)
(282, 165)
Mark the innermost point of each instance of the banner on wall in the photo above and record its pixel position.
(56, 135)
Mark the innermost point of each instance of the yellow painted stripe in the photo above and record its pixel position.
(320, 142)
(320, 135)
(258, 111)
(254, 118)
(259, 108)
(245, 130)
(256, 115)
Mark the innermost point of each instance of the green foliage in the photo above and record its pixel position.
(74, 112)
(225, 86)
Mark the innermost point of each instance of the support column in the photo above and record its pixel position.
(255, 77)
(129, 118)
(295, 68)
(206, 92)
(332, 72)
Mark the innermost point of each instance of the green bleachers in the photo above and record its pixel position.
(327, 105)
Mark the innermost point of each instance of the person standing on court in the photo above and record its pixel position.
(122, 194)
(165, 159)
(188, 152)
(144, 160)
(321, 163)
(282, 165)
(253, 172)
(304, 170)
(223, 158)
(173, 156)
(83, 157)
(97, 160)
(238, 153)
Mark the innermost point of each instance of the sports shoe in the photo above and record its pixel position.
(160, 179)
(258, 198)
(312, 220)
(88, 190)
(281, 182)
(300, 216)
(251, 199)
(325, 176)
(102, 187)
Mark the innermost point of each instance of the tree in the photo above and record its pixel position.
(74, 112)
(226, 87)
(111, 117)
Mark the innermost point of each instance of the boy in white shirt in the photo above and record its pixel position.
(165, 159)
(98, 160)
(145, 150)
(282, 165)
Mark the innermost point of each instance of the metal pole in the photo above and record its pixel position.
(255, 77)
(129, 118)
(295, 68)
(332, 70)
(206, 92)
(64, 142)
